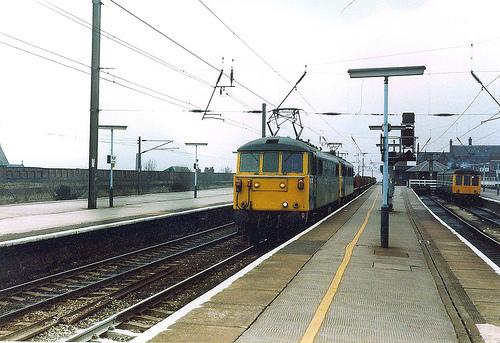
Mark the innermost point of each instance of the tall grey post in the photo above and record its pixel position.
(385, 73)
(94, 103)
(384, 220)
(196, 171)
(263, 120)
(139, 165)
(196, 165)
(111, 165)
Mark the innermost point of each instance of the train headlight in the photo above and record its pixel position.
(300, 184)
(256, 185)
(285, 204)
(237, 185)
(282, 185)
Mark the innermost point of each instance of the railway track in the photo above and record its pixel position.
(484, 214)
(472, 232)
(85, 290)
(132, 321)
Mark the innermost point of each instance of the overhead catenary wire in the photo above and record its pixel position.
(186, 49)
(74, 18)
(186, 103)
(411, 52)
(255, 53)
(463, 112)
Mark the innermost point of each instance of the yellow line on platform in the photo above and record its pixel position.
(322, 310)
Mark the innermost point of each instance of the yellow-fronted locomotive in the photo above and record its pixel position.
(462, 185)
(281, 182)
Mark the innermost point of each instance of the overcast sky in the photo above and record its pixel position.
(44, 119)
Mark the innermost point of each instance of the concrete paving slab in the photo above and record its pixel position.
(243, 296)
(192, 333)
(223, 314)
(260, 282)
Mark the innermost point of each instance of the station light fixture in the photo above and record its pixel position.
(385, 72)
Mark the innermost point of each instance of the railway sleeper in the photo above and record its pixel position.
(155, 312)
(121, 335)
(134, 325)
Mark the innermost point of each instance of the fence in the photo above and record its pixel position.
(21, 184)
(422, 184)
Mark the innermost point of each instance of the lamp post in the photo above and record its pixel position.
(196, 165)
(111, 158)
(385, 73)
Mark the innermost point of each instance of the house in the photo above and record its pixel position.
(477, 157)
(178, 169)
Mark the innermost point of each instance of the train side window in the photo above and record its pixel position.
(249, 162)
(475, 180)
(312, 164)
(320, 167)
(466, 180)
(458, 180)
(292, 162)
(270, 162)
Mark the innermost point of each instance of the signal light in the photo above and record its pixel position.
(238, 185)
(300, 184)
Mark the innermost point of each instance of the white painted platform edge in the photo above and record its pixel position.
(489, 332)
(466, 242)
(70, 232)
(196, 303)
(489, 199)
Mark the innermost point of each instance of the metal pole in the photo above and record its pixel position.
(484, 178)
(94, 103)
(195, 170)
(111, 173)
(139, 165)
(384, 220)
(363, 168)
(263, 119)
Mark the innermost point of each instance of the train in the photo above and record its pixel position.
(460, 185)
(282, 183)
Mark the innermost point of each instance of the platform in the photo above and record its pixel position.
(490, 194)
(28, 219)
(334, 284)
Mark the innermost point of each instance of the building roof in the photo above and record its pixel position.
(424, 167)
(277, 144)
(178, 169)
(3, 158)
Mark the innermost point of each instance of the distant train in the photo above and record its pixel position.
(461, 185)
(280, 183)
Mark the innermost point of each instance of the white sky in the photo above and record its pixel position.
(44, 119)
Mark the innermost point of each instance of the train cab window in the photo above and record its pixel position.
(249, 162)
(292, 162)
(466, 180)
(458, 180)
(270, 162)
(475, 180)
